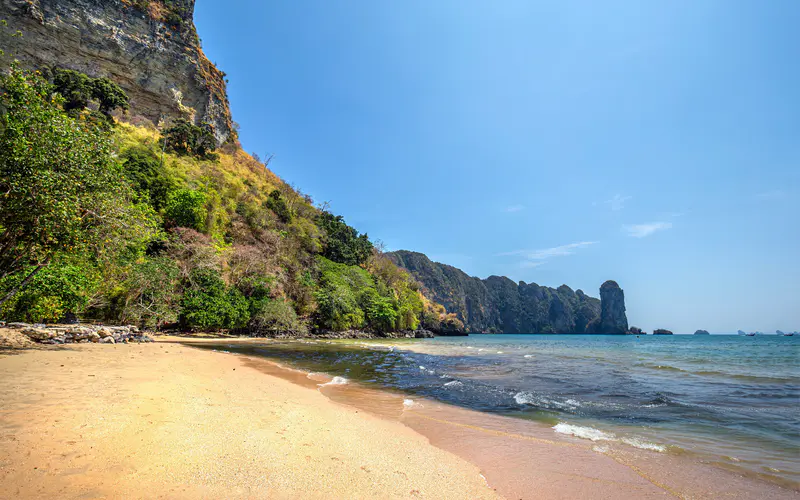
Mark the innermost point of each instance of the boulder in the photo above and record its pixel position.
(107, 340)
(39, 334)
(636, 331)
(104, 332)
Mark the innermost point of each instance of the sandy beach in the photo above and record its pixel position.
(170, 421)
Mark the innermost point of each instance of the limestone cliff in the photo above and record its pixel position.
(149, 47)
(499, 305)
(612, 311)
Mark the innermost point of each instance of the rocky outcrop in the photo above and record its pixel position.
(68, 334)
(662, 331)
(636, 331)
(149, 47)
(499, 305)
(613, 319)
(702, 332)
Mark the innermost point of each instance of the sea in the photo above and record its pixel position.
(724, 399)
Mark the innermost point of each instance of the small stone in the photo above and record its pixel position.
(108, 340)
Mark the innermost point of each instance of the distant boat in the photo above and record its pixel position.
(751, 334)
(780, 333)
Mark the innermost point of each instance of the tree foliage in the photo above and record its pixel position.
(187, 208)
(148, 177)
(122, 225)
(208, 303)
(79, 89)
(187, 139)
(342, 243)
(61, 189)
(277, 204)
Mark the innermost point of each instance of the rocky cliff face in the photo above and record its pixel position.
(149, 47)
(612, 311)
(497, 304)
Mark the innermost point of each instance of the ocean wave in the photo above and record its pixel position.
(743, 377)
(454, 383)
(654, 366)
(589, 433)
(595, 435)
(528, 356)
(644, 445)
(528, 398)
(336, 381)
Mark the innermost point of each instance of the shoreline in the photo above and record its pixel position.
(123, 420)
(528, 449)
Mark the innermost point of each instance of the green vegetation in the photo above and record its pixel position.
(187, 139)
(125, 224)
(78, 90)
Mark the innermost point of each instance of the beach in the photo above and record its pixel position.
(172, 421)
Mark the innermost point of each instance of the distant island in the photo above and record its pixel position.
(702, 332)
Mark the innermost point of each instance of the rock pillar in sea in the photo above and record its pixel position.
(612, 309)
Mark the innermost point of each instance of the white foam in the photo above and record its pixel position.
(454, 383)
(336, 381)
(499, 352)
(644, 445)
(528, 356)
(527, 398)
(408, 403)
(593, 434)
(589, 433)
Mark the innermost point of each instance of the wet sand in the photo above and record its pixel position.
(173, 421)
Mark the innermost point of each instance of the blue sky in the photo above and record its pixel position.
(654, 143)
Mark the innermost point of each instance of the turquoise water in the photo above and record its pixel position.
(727, 399)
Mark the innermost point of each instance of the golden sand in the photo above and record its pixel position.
(171, 421)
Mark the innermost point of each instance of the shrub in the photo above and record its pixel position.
(208, 303)
(147, 175)
(187, 208)
(276, 317)
(151, 293)
(61, 288)
(277, 204)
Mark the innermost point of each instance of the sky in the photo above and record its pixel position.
(570, 142)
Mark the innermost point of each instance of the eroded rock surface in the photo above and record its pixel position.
(149, 47)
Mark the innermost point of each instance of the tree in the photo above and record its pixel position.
(61, 190)
(109, 95)
(75, 87)
(208, 303)
(343, 244)
(148, 176)
(187, 139)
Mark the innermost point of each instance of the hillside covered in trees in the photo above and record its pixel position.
(122, 223)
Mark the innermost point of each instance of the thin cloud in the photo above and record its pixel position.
(515, 208)
(643, 230)
(531, 263)
(773, 195)
(617, 202)
(536, 258)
